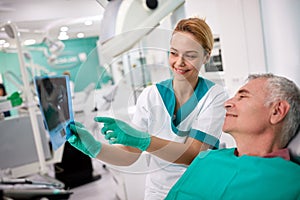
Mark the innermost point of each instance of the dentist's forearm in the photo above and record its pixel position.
(180, 153)
(117, 155)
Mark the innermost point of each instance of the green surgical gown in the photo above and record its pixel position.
(219, 174)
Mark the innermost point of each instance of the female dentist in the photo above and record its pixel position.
(174, 119)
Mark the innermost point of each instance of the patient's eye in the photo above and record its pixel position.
(242, 96)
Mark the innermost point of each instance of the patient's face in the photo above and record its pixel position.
(246, 111)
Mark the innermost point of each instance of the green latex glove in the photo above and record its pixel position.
(119, 132)
(15, 99)
(82, 140)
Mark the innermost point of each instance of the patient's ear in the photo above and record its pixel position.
(280, 110)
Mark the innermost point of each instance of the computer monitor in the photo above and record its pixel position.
(56, 106)
(18, 153)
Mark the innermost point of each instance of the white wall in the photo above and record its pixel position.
(281, 33)
(256, 36)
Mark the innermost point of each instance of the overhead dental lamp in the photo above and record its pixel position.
(54, 49)
(125, 22)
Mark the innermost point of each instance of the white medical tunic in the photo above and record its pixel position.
(201, 118)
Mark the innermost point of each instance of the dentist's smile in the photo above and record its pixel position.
(180, 71)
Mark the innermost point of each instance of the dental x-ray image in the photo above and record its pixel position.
(55, 104)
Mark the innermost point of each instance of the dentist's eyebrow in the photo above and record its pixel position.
(189, 51)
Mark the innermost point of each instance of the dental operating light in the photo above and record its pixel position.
(126, 22)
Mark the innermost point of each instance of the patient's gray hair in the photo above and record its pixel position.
(281, 88)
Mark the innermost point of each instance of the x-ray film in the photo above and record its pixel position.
(56, 106)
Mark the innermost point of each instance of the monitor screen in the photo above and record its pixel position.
(56, 106)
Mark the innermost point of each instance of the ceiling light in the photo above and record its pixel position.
(2, 42)
(29, 42)
(88, 22)
(80, 35)
(64, 28)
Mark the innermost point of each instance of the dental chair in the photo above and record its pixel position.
(294, 147)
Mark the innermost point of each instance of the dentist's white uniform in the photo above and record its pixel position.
(201, 117)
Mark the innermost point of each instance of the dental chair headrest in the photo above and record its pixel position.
(294, 147)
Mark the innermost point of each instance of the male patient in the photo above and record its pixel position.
(262, 117)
